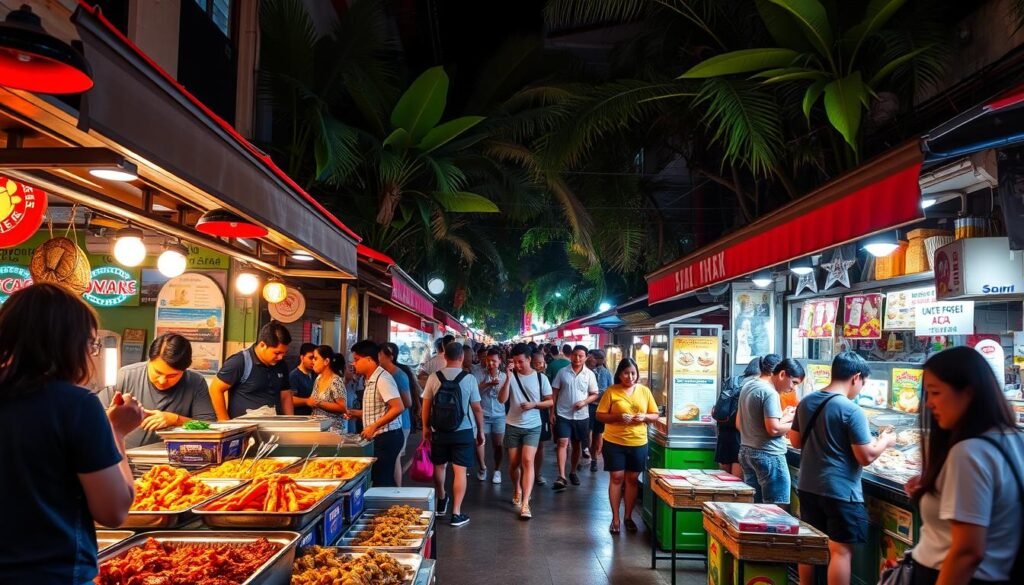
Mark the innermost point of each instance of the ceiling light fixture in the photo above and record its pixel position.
(222, 223)
(173, 260)
(302, 256)
(801, 266)
(883, 244)
(124, 172)
(762, 279)
(33, 60)
(129, 250)
(274, 291)
(246, 283)
(435, 285)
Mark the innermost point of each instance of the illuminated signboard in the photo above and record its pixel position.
(111, 286)
(13, 279)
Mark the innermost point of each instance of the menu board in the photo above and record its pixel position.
(900, 305)
(818, 319)
(820, 375)
(695, 377)
(192, 305)
(862, 316)
(906, 389)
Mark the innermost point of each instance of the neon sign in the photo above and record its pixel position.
(111, 286)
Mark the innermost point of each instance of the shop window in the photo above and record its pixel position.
(219, 11)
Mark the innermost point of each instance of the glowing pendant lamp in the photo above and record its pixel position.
(33, 60)
(222, 223)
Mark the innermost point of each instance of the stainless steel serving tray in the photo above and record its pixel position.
(108, 538)
(410, 546)
(411, 561)
(216, 432)
(287, 461)
(175, 518)
(426, 517)
(279, 520)
(297, 466)
(276, 571)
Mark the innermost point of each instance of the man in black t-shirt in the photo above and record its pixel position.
(255, 377)
(301, 379)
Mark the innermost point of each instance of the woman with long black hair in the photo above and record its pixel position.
(328, 397)
(62, 454)
(969, 490)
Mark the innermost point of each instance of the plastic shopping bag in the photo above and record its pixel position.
(422, 467)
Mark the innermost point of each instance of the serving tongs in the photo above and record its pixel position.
(306, 462)
(268, 447)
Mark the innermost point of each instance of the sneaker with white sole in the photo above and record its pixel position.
(540, 480)
(459, 520)
(482, 474)
(442, 505)
(497, 477)
(525, 513)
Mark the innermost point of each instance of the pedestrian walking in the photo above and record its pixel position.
(574, 388)
(595, 361)
(538, 363)
(491, 380)
(527, 393)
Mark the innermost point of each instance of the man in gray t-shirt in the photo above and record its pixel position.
(170, 393)
(759, 402)
(836, 442)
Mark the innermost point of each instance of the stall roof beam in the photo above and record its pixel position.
(689, 315)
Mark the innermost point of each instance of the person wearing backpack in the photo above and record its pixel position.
(452, 417)
(970, 492)
(835, 441)
(381, 412)
(255, 377)
(727, 446)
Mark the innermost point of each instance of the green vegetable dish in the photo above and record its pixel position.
(196, 425)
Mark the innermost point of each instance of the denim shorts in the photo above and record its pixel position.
(767, 473)
(494, 425)
(518, 437)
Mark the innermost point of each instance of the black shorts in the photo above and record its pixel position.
(574, 430)
(596, 426)
(458, 448)
(843, 522)
(622, 458)
(727, 447)
(545, 425)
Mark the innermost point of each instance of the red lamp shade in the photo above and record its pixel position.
(222, 223)
(32, 60)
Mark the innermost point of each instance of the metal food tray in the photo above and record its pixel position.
(297, 466)
(368, 514)
(175, 518)
(276, 571)
(216, 432)
(287, 461)
(108, 538)
(281, 520)
(412, 561)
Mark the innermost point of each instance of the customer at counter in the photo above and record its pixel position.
(300, 380)
(969, 491)
(63, 456)
(328, 397)
(762, 423)
(255, 377)
(836, 443)
(167, 390)
(381, 412)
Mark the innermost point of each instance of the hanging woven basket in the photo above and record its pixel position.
(60, 261)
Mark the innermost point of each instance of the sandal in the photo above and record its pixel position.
(630, 525)
(614, 528)
(517, 500)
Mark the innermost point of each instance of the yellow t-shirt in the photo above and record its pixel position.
(616, 401)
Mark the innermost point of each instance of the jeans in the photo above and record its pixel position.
(767, 473)
(386, 447)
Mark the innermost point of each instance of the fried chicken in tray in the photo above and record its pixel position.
(170, 563)
(326, 566)
(409, 515)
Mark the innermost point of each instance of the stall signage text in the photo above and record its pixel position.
(702, 273)
(13, 279)
(21, 212)
(111, 286)
(978, 267)
(944, 318)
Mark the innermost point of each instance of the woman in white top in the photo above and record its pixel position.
(968, 491)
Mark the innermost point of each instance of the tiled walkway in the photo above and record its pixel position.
(566, 543)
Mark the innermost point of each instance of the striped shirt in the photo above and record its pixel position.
(380, 389)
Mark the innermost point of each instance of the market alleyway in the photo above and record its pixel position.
(566, 543)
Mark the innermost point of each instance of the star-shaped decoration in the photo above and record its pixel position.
(837, 270)
(808, 281)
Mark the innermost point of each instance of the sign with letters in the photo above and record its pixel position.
(944, 318)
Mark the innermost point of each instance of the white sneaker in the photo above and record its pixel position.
(482, 474)
(497, 477)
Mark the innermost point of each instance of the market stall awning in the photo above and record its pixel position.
(406, 292)
(147, 115)
(881, 194)
(448, 321)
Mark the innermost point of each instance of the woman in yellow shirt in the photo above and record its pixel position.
(625, 409)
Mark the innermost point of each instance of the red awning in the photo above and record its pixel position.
(882, 194)
(400, 315)
(448, 321)
(371, 254)
(404, 292)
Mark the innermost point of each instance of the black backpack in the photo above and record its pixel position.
(446, 410)
(728, 401)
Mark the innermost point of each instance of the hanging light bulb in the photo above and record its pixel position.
(128, 247)
(274, 291)
(246, 283)
(173, 260)
(883, 244)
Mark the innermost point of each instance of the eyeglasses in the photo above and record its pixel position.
(94, 346)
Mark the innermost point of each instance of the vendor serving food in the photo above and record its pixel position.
(168, 391)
